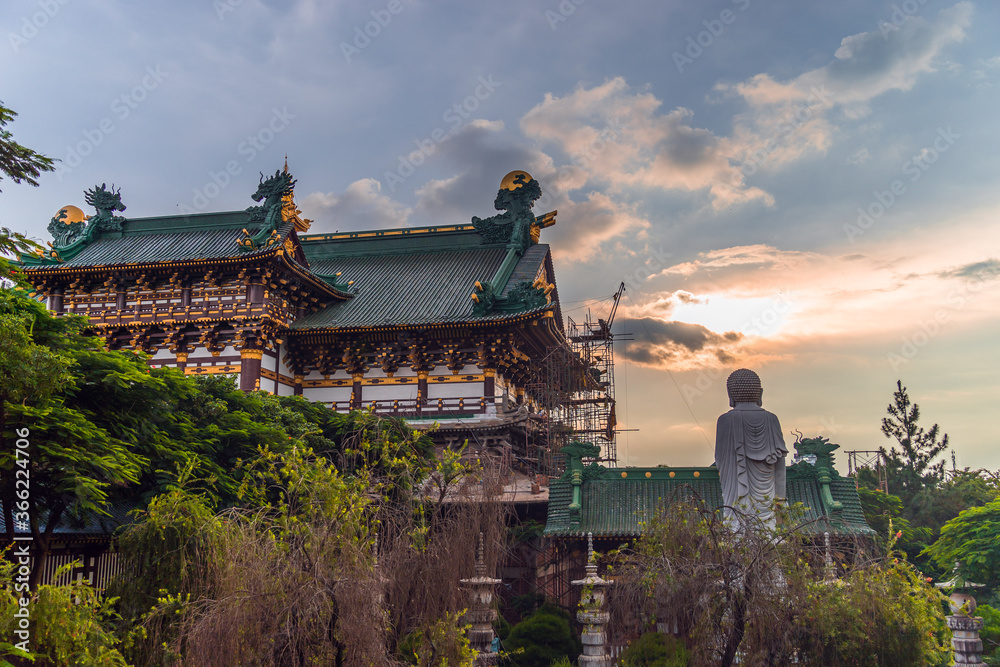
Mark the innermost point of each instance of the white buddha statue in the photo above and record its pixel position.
(749, 452)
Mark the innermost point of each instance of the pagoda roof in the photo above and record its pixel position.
(491, 270)
(616, 502)
(170, 238)
(413, 276)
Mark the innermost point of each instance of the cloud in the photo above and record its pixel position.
(982, 271)
(619, 138)
(785, 121)
(859, 156)
(361, 206)
(668, 344)
(757, 257)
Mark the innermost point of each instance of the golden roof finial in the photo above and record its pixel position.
(289, 211)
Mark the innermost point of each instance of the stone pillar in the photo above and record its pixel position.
(591, 614)
(965, 641)
(250, 369)
(481, 613)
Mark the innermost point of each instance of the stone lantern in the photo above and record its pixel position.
(481, 613)
(592, 614)
(966, 645)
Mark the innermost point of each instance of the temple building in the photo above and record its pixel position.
(614, 504)
(458, 325)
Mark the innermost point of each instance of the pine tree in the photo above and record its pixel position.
(912, 466)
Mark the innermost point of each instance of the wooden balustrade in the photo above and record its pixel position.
(411, 407)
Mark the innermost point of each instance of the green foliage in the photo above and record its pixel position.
(442, 644)
(911, 468)
(163, 550)
(502, 628)
(886, 615)
(972, 539)
(542, 638)
(16, 161)
(654, 649)
(990, 634)
(765, 596)
(933, 507)
(69, 624)
(883, 513)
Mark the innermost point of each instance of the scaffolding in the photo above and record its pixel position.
(874, 460)
(578, 395)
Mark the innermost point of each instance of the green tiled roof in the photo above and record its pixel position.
(409, 276)
(613, 506)
(170, 238)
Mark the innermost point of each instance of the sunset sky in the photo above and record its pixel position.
(808, 189)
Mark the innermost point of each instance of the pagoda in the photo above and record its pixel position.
(445, 325)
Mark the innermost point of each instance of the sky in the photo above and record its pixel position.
(807, 189)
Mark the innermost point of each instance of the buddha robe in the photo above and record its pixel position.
(750, 455)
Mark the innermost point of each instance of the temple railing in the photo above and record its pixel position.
(411, 407)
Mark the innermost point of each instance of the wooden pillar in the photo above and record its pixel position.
(182, 358)
(422, 387)
(186, 296)
(489, 385)
(250, 369)
(356, 396)
(297, 391)
(56, 300)
(120, 298)
(255, 293)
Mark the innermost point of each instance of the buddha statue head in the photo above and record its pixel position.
(743, 386)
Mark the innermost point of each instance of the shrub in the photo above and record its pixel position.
(656, 650)
(990, 633)
(542, 638)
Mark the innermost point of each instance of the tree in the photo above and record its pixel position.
(542, 638)
(764, 597)
(911, 467)
(972, 539)
(18, 162)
